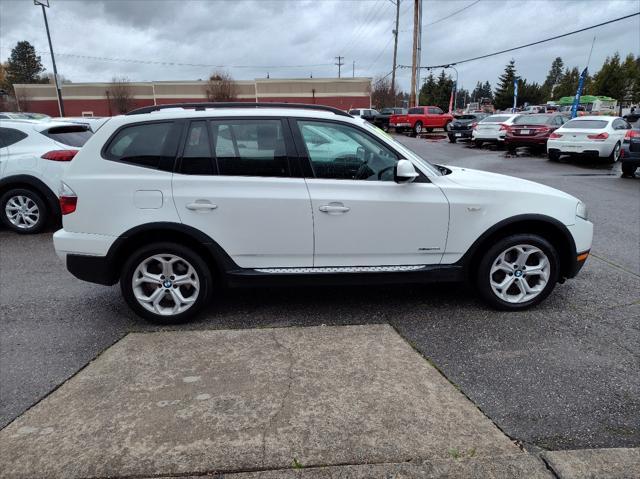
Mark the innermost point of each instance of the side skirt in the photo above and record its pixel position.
(239, 278)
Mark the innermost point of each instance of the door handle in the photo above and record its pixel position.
(334, 208)
(201, 206)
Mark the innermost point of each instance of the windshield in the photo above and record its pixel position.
(585, 124)
(406, 152)
(496, 119)
(532, 120)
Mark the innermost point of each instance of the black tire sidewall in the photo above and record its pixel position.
(612, 157)
(482, 275)
(415, 128)
(36, 198)
(202, 269)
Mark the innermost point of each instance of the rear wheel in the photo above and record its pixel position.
(554, 155)
(518, 272)
(166, 282)
(23, 211)
(417, 128)
(615, 154)
(628, 171)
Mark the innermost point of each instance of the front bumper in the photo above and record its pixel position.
(460, 133)
(582, 233)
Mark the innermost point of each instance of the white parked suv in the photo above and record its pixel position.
(174, 202)
(33, 157)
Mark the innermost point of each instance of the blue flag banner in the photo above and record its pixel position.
(515, 94)
(576, 100)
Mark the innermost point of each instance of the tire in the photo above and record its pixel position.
(514, 298)
(417, 128)
(196, 288)
(554, 155)
(511, 149)
(478, 143)
(615, 154)
(628, 171)
(24, 211)
(452, 139)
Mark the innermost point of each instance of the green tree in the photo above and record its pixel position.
(24, 66)
(631, 69)
(504, 93)
(428, 91)
(531, 93)
(568, 83)
(611, 79)
(553, 78)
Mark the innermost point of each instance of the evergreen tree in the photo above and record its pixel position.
(504, 92)
(487, 91)
(24, 66)
(568, 83)
(531, 93)
(611, 79)
(427, 91)
(553, 78)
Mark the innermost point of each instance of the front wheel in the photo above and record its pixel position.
(518, 272)
(166, 282)
(628, 171)
(23, 211)
(452, 139)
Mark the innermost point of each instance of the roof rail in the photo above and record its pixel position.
(236, 104)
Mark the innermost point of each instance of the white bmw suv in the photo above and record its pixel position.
(176, 201)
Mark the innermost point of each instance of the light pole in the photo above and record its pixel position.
(45, 3)
(455, 87)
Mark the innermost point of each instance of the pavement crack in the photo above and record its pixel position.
(615, 265)
(283, 401)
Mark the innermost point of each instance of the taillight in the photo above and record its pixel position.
(68, 199)
(60, 155)
(600, 136)
(474, 125)
(555, 135)
(504, 127)
(632, 134)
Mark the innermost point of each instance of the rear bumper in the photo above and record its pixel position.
(519, 141)
(86, 255)
(400, 125)
(94, 269)
(592, 148)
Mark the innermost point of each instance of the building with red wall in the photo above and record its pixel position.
(96, 99)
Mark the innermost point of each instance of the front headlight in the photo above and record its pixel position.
(581, 211)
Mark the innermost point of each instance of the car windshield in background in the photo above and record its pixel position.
(387, 111)
(69, 135)
(465, 117)
(585, 124)
(496, 119)
(532, 120)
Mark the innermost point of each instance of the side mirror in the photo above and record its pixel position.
(404, 172)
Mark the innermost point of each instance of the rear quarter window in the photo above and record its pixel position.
(10, 136)
(147, 144)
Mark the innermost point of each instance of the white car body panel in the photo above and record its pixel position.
(490, 130)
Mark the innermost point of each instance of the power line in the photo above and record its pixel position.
(165, 63)
(448, 16)
(444, 65)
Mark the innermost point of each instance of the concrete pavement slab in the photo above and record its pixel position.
(192, 402)
(616, 463)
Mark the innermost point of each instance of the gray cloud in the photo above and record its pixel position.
(258, 33)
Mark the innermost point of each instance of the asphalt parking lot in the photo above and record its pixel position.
(564, 375)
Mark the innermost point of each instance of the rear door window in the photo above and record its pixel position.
(250, 147)
(416, 111)
(196, 156)
(10, 136)
(72, 135)
(146, 144)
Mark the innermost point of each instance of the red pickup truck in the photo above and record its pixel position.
(421, 118)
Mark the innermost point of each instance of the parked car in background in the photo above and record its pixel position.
(382, 119)
(532, 130)
(462, 125)
(492, 129)
(368, 114)
(592, 136)
(33, 157)
(164, 201)
(630, 153)
(93, 122)
(421, 118)
(8, 115)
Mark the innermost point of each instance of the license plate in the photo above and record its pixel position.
(458, 134)
(525, 132)
(571, 148)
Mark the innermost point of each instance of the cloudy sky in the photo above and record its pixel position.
(184, 40)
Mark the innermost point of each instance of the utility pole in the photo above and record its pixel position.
(353, 71)
(339, 63)
(395, 53)
(414, 64)
(45, 3)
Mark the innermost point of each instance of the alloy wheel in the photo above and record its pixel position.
(520, 273)
(22, 212)
(165, 284)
